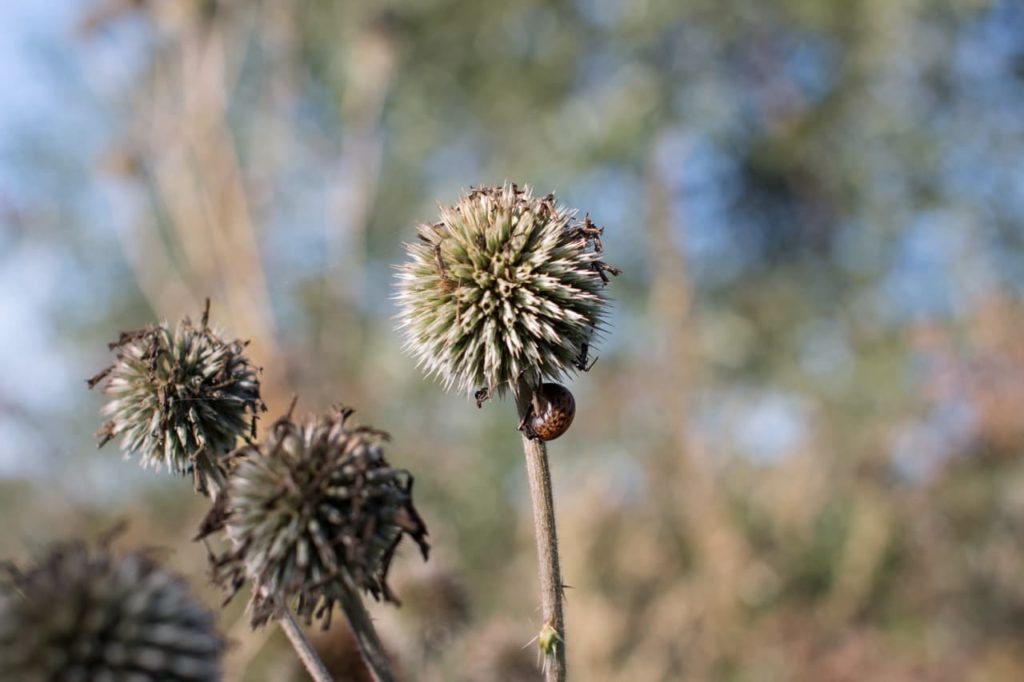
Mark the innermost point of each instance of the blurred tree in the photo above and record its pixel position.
(798, 456)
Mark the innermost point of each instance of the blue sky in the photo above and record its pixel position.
(64, 90)
(32, 367)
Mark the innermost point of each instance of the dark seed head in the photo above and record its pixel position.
(84, 614)
(310, 512)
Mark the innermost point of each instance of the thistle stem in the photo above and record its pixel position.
(543, 503)
(365, 634)
(304, 649)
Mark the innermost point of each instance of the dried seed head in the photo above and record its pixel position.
(180, 398)
(83, 615)
(313, 510)
(504, 284)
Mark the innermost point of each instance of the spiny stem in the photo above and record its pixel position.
(543, 503)
(304, 649)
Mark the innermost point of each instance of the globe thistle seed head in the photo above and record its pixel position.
(313, 510)
(503, 285)
(180, 398)
(82, 614)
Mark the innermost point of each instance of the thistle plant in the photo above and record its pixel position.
(82, 614)
(314, 515)
(180, 398)
(504, 292)
(504, 285)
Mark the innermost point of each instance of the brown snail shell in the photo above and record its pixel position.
(551, 413)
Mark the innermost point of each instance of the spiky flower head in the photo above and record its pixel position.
(505, 284)
(313, 514)
(180, 398)
(82, 614)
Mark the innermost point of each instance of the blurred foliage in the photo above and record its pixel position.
(799, 457)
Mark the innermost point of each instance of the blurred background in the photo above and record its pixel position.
(799, 456)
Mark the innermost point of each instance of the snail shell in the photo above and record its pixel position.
(553, 412)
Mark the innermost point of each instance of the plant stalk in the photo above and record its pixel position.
(365, 634)
(303, 648)
(551, 590)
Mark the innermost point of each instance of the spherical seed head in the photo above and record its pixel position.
(312, 511)
(180, 398)
(84, 615)
(503, 284)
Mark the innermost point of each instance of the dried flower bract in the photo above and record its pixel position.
(180, 398)
(310, 512)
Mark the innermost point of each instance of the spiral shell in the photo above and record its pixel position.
(553, 412)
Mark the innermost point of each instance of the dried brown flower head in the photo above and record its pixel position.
(311, 511)
(82, 614)
(180, 398)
